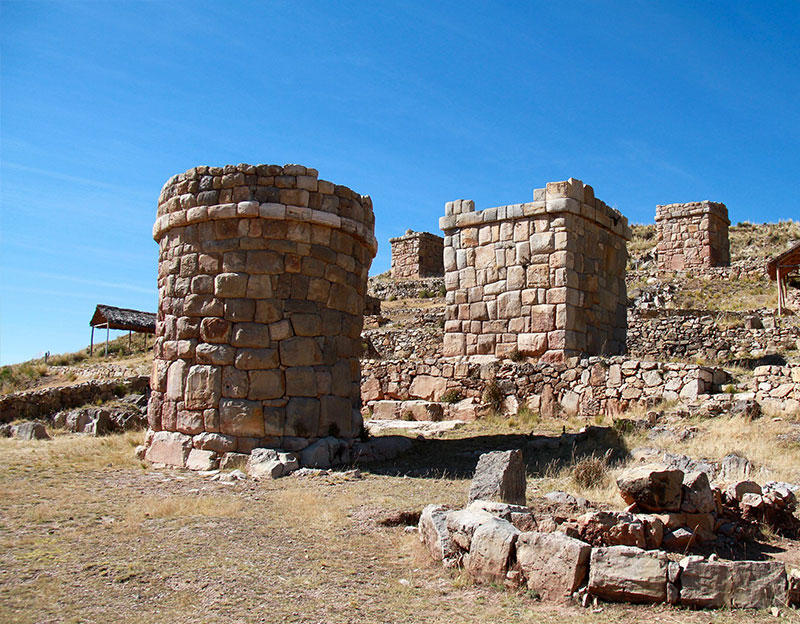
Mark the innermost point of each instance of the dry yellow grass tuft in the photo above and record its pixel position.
(178, 506)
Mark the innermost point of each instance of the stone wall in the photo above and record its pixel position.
(48, 401)
(587, 386)
(416, 254)
(545, 278)
(670, 333)
(692, 235)
(388, 289)
(778, 387)
(262, 281)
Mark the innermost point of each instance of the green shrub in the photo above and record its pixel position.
(452, 396)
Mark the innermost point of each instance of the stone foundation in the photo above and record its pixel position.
(545, 278)
(262, 281)
(692, 235)
(416, 255)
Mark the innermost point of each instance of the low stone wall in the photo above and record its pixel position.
(587, 387)
(48, 401)
(778, 387)
(387, 289)
(691, 333)
(419, 342)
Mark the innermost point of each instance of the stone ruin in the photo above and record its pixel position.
(262, 281)
(692, 235)
(564, 548)
(416, 255)
(545, 278)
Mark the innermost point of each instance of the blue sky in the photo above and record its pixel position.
(413, 103)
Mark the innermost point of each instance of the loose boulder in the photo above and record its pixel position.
(652, 488)
(271, 463)
(499, 476)
(697, 494)
(170, 448)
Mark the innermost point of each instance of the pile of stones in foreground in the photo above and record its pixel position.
(615, 556)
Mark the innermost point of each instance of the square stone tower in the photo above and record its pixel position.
(692, 235)
(545, 278)
(417, 254)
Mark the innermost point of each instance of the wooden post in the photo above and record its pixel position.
(130, 333)
(107, 333)
(91, 343)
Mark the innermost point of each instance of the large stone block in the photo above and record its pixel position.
(491, 550)
(554, 565)
(628, 574)
(203, 387)
(170, 448)
(239, 417)
(652, 488)
(499, 476)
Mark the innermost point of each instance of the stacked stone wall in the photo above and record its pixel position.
(388, 290)
(262, 281)
(778, 387)
(48, 401)
(416, 255)
(696, 333)
(587, 386)
(692, 235)
(545, 278)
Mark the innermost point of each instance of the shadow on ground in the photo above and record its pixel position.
(456, 458)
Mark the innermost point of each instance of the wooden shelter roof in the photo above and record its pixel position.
(788, 259)
(124, 318)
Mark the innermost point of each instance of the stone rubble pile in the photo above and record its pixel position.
(613, 556)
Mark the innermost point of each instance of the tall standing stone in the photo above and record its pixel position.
(262, 281)
(499, 476)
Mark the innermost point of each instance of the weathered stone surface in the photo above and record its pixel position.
(239, 417)
(462, 525)
(612, 528)
(324, 453)
(233, 461)
(30, 430)
(427, 387)
(628, 574)
(554, 565)
(499, 476)
(652, 488)
(758, 584)
(271, 463)
(214, 442)
(201, 460)
(434, 535)
(491, 549)
(697, 495)
(170, 448)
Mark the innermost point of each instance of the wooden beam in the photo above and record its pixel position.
(91, 343)
(107, 333)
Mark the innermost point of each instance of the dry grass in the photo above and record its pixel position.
(88, 535)
(775, 459)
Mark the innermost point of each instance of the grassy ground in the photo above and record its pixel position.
(88, 534)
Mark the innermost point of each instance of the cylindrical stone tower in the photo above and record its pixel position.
(262, 279)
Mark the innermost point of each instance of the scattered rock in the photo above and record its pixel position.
(652, 488)
(697, 495)
(271, 463)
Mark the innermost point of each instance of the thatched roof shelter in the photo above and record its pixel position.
(124, 318)
(110, 317)
(781, 268)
